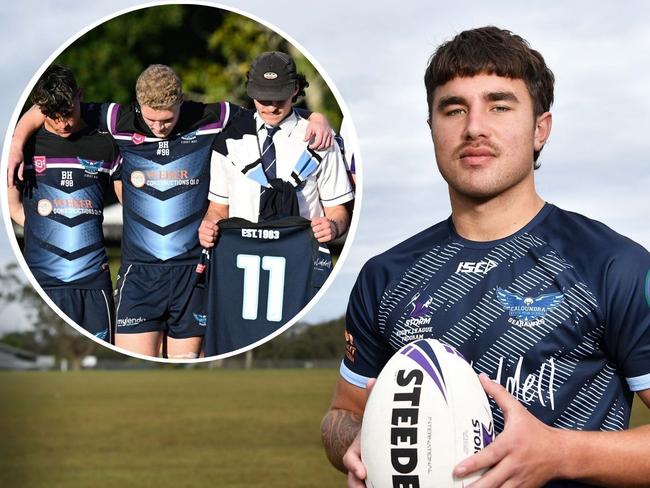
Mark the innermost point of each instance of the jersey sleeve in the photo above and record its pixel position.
(366, 351)
(219, 178)
(627, 315)
(334, 186)
(221, 112)
(94, 115)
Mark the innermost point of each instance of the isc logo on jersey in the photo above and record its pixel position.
(481, 267)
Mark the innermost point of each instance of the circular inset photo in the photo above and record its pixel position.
(180, 183)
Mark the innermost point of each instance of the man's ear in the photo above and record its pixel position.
(543, 124)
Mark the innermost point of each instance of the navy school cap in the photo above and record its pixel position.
(272, 77)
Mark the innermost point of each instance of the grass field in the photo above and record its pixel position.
(168, 428)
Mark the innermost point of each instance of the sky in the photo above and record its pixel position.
(595, 163)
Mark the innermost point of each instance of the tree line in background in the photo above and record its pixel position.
(210, 48)
(50, 335)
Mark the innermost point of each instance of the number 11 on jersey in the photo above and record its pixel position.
(275, 265)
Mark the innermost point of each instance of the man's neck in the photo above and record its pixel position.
(495, 218)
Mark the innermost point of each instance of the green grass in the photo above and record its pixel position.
(176, 428)
(169, 428)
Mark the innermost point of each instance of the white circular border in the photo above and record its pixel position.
(14, 242)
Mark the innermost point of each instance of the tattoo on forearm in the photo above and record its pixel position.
(338, 430)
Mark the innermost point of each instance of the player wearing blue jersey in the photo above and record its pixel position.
(61, 201)
(165, 142)
(551, 306)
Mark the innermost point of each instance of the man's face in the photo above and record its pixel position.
(161, 122)
(484, 134)
(273, 112)
(65, 126)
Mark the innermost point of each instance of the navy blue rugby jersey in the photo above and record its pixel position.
(260, 276)
(557, 313)
(165, 181)
(66, 180)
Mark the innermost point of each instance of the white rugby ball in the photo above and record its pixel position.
(425, 414)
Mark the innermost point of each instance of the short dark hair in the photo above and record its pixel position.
(301, 83)
(493, 51)
(55, 92)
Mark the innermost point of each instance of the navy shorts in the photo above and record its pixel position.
(150, 298)
(91, 309)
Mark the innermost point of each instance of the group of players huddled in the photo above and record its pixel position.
(163, 156)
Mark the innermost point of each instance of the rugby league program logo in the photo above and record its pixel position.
(419, 308)
(527, 311)
(137, 138)
(40, 164)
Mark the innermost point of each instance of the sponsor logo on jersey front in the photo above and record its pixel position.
(163, 179)
(137, 138)
(44, 207)
(68, 207)
(527, 311)
(535, 386)
(479, 267)
(40, 164)
(90, 167)
(138, 179)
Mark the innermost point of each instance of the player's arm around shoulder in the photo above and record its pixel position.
(341, 426)
(318, 133)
